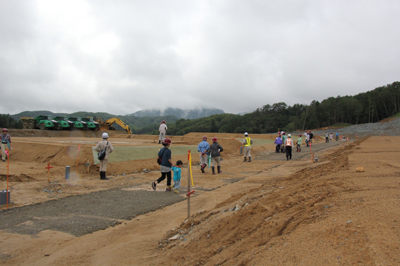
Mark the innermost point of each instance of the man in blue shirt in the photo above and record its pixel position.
(203, 150)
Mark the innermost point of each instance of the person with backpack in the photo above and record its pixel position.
(108, 148)
(5, 143)
(166, 164)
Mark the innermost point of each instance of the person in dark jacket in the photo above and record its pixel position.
(166, 163)
(278, 143)
(215, 150)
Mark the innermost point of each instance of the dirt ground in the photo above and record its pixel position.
(267, 212)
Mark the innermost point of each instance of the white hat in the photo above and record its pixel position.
(105, 135)
(245, 133)
(289, 136)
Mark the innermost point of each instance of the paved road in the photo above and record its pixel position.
(84, 214)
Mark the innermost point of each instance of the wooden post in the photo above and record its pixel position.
(8, 174)
(188, 195)
(87, 166)
(190, 178)
(48, 171)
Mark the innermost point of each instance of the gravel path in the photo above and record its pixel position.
(305, 151)
(84, 214)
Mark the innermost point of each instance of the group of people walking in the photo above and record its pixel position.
(207, 154)
(285, 144)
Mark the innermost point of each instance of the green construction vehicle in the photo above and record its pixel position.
(39, 122)
(80, 124)
(91, 123)
(64, 123)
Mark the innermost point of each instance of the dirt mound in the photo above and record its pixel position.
(242, 229)
(15, 178)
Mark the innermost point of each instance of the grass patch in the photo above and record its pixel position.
(396, 115)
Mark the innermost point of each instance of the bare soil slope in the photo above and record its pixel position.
(267, 212)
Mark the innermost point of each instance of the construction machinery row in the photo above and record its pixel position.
(60, 122)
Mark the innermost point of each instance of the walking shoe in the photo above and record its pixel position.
(244, 159)
(168, 189)
(176, 191)
(153, 185)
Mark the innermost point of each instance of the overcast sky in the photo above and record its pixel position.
(122, 56)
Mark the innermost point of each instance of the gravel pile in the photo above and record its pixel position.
(391, 128)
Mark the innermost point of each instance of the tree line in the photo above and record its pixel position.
(6, 121)
(367, 107)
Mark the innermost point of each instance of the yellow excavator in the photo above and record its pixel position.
(108, 124)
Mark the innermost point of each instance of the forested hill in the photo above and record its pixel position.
(371, 106)
(368, 107)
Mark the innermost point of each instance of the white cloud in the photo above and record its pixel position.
(122, 56)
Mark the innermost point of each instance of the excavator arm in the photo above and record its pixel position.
(118, 121)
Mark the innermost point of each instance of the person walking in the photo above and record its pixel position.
(306, 138)
(337, 135)
(5, 144)
(247, 146)
(203, 148)
(165, 155)
(177, 175)
(278, 143)
(331, 137)
(299, 141)
(326, 137)
(310, 136)
(284, 137)
(163, 130)
(104, 144)
(289, 145)
(215, 150)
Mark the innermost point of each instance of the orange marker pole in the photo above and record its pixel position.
(188, 195)
(8, 174)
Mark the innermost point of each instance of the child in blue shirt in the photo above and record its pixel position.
(177, 175)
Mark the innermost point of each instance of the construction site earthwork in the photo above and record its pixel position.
(335, 203)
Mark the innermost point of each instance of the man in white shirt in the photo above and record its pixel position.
(307, 138)
(163, 130)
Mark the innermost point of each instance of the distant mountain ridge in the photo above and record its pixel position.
(178, 113)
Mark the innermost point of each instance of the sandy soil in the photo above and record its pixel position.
(267, 212)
